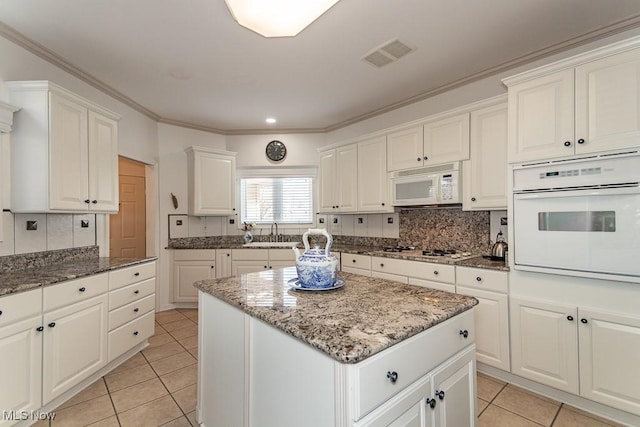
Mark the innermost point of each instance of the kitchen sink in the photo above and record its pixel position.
(270, 244)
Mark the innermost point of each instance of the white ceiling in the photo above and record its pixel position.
(188, 62)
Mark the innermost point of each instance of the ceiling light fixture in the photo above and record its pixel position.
(278, 18)
(270, 120)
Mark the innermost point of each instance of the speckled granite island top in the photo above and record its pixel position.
(351, 323)
(30, 278)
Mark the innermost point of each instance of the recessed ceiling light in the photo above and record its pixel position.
(278, 18)
(270, 120)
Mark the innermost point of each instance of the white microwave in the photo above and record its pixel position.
(433, 185)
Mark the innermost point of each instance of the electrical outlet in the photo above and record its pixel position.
(32, 225)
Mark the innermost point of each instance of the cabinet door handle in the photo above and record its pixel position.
(353, 260)
(583, 320)
(567, 143)
(87, 201)
(228, 254)
(136, 292)
(0, 312)
(570, 318)
(95, 202)
(381, 265)
(393, 376)
(82, 289)
(440, 394)
(52, 324)
(431, 403)
(212, 266)
(136, 273)
(478, 279)
(464, 334)
(383, 204)
(418, 159)
(270, 267)
(581, 141)
(436, 273)
(40, 328)
(426, 158)
(265, 266)
(135, 333)
(473, 199)
(135, 310)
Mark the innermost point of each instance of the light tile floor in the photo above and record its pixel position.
(157, 387)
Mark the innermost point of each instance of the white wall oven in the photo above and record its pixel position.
(579, 217)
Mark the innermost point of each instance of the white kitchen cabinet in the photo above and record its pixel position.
(6, 122)
(544, 343)
(405, 149)
(414, 272)
(585, 351)
(585, 104)
(64, 152)
(75, 345)
(446, 140)
(189, 266)
(485, 173)
(490, 288)
(211, 181)
(270, 377)
(339, 180)
(356, 264)
(253, 260)
(454, 390)
(609, 345)
(21, 352)
(223, 263)
(373, 187)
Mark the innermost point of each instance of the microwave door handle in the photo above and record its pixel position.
(610, 191)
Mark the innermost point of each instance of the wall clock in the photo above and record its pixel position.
(276, 151)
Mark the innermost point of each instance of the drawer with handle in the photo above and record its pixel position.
(356, 261)
(481, 278)
(20, 306)
(127, 313)
(129, 275)
(131, 293)
(383, 375)
(130, 334)
(65, 293)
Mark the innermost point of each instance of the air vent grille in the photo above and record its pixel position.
(389, 52)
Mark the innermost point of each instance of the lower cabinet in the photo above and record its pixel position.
(21, 352)
(74, 345)
(189, 266)
(592, 353)
(254, 260)
(251, 369)
(223, 263)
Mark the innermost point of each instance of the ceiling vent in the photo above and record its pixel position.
(387, 53)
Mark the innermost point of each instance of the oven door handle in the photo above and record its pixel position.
(608, 191)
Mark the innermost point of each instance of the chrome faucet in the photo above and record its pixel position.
(277, 235)
(271, 235)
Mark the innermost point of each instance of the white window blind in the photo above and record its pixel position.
(286, 200)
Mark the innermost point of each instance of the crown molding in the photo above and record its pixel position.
(37, 49)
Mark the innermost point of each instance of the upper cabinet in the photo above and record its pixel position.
(373, 187)
(6, 121)
(485, 174)
(211, 181)
(586, 104)
(438, 141)
(64, 151)
(339, 180)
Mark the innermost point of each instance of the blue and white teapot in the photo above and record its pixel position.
(317, 268)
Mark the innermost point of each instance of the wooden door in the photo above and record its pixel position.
(128, 227)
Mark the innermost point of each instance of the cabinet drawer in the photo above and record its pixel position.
(250, 254)
(429, 271)
(70, 292)
(131, 293)
(130, 334)
(410, 359)
(129, 312)
(481, 278)
(356, 261)
(20, 306)
(282, 255)
(194, 255)
(133, 274)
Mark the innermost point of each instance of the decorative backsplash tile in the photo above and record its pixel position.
(60, 231)
(30, 233)
(84, 230)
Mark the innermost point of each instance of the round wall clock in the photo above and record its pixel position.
(276, 151)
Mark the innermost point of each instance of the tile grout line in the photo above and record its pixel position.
(115, 411)
(557, 413)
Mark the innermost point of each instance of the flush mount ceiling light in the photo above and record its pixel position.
(270, 120)
(278, 18)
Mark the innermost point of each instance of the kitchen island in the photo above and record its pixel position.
(373, 352)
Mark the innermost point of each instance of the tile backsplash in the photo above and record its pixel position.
(29, 233)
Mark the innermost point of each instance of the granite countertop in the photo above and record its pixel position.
(351, 323)
(30, 278)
